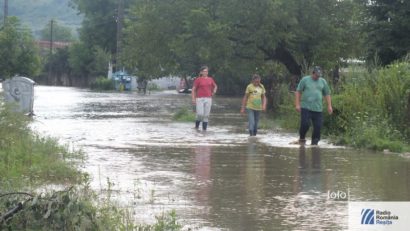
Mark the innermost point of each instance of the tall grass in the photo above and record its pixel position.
(26, 157)
(372, 110)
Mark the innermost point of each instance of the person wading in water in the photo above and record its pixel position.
(202, 91)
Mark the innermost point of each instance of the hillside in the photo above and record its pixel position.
(37, 13)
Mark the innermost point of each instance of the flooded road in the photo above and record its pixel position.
(218, 180)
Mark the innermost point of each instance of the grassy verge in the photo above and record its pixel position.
(29, 163)
(26, 159)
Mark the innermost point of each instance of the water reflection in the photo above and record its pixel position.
(254, 176)
(308, 177)
(202, 173)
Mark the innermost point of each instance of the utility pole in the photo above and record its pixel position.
(51, 36)
(120, 17)
(51, 50)
(6, 11)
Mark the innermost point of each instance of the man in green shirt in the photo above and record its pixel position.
(309, 102)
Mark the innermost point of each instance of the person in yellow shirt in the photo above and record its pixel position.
(254, 101)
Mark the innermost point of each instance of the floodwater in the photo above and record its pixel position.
(218, 180)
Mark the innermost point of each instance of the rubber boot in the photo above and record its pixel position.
(204, 125)
(197, 124)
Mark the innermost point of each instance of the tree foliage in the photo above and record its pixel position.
(238, 37)
(86, 62)
(388, 28)
(99, 25)
(18, 53)
(235, 38)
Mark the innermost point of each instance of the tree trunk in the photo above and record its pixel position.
(283, 55)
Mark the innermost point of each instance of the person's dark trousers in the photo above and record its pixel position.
(204, 125)
(253, 120)
(197, 122)
(317, 120)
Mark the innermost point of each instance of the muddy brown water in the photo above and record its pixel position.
(218, 180)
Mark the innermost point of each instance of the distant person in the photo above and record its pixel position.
(309, 102)
(142, 85)
(203, 89)
(254, 101)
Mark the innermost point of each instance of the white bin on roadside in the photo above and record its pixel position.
(20, 91)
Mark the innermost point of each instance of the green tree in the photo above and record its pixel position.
(60, 32)
(18, 53)
(237, 37)
(99, 27)
(88, 62)
(388, 26)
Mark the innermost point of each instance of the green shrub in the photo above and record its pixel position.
(102, 83)
(372, 110)
(373, 132)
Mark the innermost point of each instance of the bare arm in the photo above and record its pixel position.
(297, 101)
(193, 95)
(329, 104)
(264, 102)
(244, 99)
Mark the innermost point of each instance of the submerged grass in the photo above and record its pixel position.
(184, 115)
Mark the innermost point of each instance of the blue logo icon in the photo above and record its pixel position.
(367, 217)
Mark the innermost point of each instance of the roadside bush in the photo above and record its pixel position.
(102, 83)
(373, 132)
(392, 93)
(372, 110)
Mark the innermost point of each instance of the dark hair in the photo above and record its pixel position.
(203, 68)
(255, 76)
